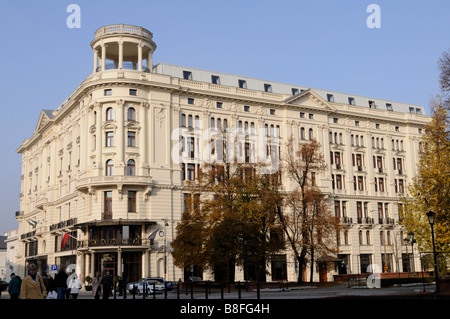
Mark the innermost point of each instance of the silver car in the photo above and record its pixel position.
(149, 284)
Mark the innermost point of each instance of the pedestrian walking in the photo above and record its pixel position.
(14, 286)
(51, 288)
(61, 283)
(107, 285)
(74, 286)
(72, 275)
(96, 285)
(33, 286)
(121, 286)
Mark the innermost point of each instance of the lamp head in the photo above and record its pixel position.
(430, 216)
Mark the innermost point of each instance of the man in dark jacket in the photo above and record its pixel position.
(61, 283)
(14, 287)
(107, 285)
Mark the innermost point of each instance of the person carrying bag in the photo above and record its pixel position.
(33, 286)
(74, 286)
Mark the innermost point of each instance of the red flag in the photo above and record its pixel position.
(64, 237)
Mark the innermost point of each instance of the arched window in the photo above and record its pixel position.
(197, 121)
(131, 167)
(190, 121)
(131, 114)
(109, 168)
(183, 120)
(109, 114)
(219, 124)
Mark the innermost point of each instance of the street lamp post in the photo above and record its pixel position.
(412, 241)
(430, 216)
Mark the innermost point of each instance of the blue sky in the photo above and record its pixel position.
(319, 44)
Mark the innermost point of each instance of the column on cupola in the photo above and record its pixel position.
(103, 61)
(95, 60)
(120, 62)
(140, 46)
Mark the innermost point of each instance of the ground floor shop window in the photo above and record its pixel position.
(279, 267)
(365, 262)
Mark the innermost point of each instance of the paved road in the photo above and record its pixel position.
(305, 292)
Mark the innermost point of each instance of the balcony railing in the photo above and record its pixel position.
(346, 220)
(125, 66)
(123, 29)
(365, 220)
(386, 221)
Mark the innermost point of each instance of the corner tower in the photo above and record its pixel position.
(123, 46)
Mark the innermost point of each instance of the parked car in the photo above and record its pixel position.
(169, 284)
(149, 285)
(132, 285)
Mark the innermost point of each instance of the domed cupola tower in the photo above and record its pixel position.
(122, 46)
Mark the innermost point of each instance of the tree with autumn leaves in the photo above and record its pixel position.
(430, 189)
(237, 215)
(309, 225)
(231, 211)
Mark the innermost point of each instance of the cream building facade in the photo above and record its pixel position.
(101, 166)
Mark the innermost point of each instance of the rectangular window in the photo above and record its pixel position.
(359, 210)
(360, 183)
(400, 186)
(268, 88)
(219, 105)
(246, 108)
(381, 184)
(107, 92)
(187, 75)
(272, 112)
(295, 91)
(133, 92)
(190, 101)
(337, 208)
(132, 201)
(190, 146)
(389, 107)
(190, 172)
(108, 205)
(339, 181)
(351, 101)
(215, 79)
(109, 139)
(131, 139)
(330, 97)
(242, 84)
